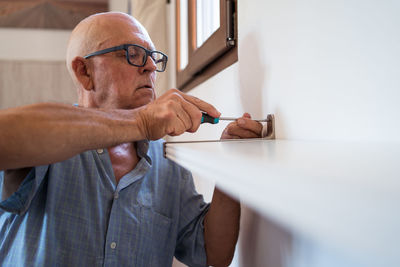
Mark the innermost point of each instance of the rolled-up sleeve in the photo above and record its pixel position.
(190, 247)
(20, 200)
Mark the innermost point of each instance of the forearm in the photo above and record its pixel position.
(47, 133)
(221, 229)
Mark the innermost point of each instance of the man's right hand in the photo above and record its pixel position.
(173, 114)
(58, 131)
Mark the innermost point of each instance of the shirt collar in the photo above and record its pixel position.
(142, 147)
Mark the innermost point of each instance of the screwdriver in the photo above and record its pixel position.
(205, 118)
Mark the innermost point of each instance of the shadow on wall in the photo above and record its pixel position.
(252, 74)
(262, 243)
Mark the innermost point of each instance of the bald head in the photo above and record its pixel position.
(101, 31)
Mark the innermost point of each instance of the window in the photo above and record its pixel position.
(206, 39)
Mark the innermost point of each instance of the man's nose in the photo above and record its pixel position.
(150, 65)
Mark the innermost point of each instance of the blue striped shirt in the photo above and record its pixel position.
(73, 213)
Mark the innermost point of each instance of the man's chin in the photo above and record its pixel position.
(138, 103)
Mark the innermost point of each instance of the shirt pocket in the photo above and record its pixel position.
(157, 244)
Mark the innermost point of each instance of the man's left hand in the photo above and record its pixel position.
(243, 127)
(222, 220)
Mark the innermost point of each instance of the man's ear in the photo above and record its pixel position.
(83, 73)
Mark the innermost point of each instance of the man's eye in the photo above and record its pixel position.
(133, 56)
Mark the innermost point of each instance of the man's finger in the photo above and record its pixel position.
(193, 113)
(250, 125)
(202, 105)
(192, 106)
(228, 136)
(187, 113)
(183, 119)
(246, 115)
(179, 124)
(236, 130)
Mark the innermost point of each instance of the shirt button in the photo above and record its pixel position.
(100, 151)
(116, 195)
(113, 245)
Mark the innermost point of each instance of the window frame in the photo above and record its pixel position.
(216, 53)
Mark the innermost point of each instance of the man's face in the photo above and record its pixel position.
(117, 84)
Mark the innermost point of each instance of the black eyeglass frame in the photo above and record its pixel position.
(125, 47)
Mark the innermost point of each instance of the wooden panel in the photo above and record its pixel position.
(55, 14)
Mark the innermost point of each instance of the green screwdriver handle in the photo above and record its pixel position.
(207, 118)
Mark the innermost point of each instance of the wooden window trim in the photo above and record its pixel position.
(213, 56)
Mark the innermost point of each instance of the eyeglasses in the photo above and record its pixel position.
(137, 55)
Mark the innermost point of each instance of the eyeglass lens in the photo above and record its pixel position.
(137, 56)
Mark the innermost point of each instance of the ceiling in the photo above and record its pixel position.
(48, 14)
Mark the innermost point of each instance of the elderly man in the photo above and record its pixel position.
(99, 192)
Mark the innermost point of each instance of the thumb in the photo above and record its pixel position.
(246, 115)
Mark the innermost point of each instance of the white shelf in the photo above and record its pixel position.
(343, 193)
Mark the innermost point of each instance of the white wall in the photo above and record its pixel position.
(328, 70)
(118, 5)
(32, 67)
(33, 44)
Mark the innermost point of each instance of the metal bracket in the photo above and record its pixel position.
(267, 133)
(268, 130)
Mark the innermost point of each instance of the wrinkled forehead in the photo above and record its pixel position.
(117, 31)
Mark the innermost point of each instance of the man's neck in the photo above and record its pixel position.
(123, 159)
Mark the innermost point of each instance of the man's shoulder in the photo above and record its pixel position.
(157, 143)
(156, 149)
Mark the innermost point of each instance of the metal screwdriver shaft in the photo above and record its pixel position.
(233, 119)
(208, 119)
